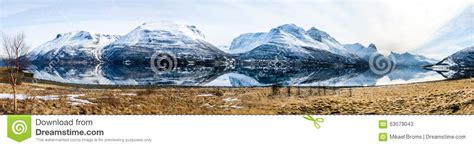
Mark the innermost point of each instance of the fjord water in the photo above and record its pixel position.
(235, 76)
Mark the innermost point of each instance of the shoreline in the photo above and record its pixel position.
(104, 86)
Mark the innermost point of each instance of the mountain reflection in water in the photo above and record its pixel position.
(236, 76)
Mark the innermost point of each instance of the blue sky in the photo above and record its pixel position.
(401, 25)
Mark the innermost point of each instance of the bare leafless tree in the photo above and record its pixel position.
(15, 47)
(275, 89)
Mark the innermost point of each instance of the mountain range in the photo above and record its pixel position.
(292, 43)
(362, 51)
(407, 59)
(289, 43)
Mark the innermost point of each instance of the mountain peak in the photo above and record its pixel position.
(355, 46)
(73, 43)
(82, 35)
(75, 35)
(361, 51)
(315, 30)
(319, 35)
(358, 44)
(153, 33)
(462, 58)
(401, 54)
(409, 59)
(288, 28)
(188, 30)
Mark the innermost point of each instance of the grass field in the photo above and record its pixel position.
(4, 78)
(441, 97)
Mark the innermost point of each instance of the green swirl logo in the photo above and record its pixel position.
(19, 127)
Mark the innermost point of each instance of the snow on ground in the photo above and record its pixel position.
(128, 94)
(10, 96)
(206, 95)
(229, 99)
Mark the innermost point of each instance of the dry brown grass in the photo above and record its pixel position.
(442, 97)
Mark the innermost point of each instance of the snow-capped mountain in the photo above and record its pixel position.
(183, 41)
(292, 43)
(79, 46)
(247, 42)
(333, 45)
(362, 51)
(407, 59)
(403, 59)
(463, 58)
(157, 33)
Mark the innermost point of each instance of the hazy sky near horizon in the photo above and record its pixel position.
(399, 26)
